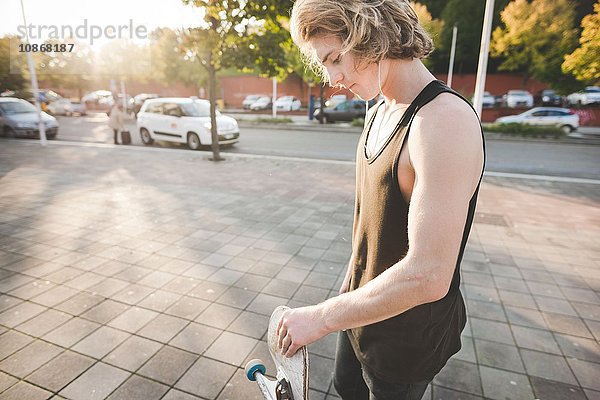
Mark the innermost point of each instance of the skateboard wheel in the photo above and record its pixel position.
(253, 367)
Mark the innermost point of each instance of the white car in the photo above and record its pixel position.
(518, 98)
(183, 120)
(249, 100)
(263, 103)
(335, 100)
(589, 95)
(564, 118)
(288, 103)
(60, 106)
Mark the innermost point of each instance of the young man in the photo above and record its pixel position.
(419, 165)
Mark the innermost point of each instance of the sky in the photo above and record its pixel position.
(102, 13)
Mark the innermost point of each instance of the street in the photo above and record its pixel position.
(526, 157)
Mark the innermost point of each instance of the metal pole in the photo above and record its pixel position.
(483, 56)
(274, 97)
(34, 84)
(452, 52)
(124, 100)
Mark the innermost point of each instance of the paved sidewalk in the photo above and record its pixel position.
(144, 273)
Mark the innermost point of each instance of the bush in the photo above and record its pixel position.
(272, 120)
(525, 130)
(358, 122)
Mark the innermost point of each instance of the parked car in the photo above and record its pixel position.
(139, 99)
(488, 100)
(345, 111)
(250, 99)
(589, 95)
(60, 106)
(335, 100)
(263, 103)
(183, 120)
(78, 107)
(518, 98)
(19, 118)
(288, 103)
(98, 100)
(549, 97)
(564, 118)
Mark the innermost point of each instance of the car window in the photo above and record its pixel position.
(172, 109)
(154, 108)
(557, 113)
(17, 107)
(539, 113)
(197, 109)
(343, 106)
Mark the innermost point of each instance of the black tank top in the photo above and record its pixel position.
(415, 345)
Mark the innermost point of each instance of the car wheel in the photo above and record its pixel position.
(9, 132)
(51, 137)
(326, 120)
(193, 141)
(146, 138)
(567, 129)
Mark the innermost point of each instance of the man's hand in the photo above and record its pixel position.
(299, 327)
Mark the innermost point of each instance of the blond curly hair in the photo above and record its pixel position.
(369, 30)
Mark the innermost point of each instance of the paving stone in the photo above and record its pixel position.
(163, 328)
(96, 383)
(558, 306)
(491, 330)
(12, 341)
(586, 372)
(20, 313)
(252, 282)
(43, 323)
(132, 294)
(6, 381)
(231, 348)
(517, 299)
(159, 300)
(487, 310)
(138, 388)
(535, 339)
(320, 372)
(237, 297)
(7, 302)
(218, 316)
(24, 390)
(525, 317)
(317, 279)
(79, 303)
(133, 319)
(239, 387)
(32, 289)
(105, 311)
(311, 295)
(442, 393)
(265, 304)
(207, 386)
(132, 353)
(101, 342)
(175, 394)
(60, 371)
(108, 287)
(460, 375)
(209, 291)
(29, 358)
(498, 384)
(54, 296)
(168, 365)
(195, 338)
(293, 274)
(547, 366)
(187, 307)
(281, 288)
(568, 325)
(588, 311)
(250, 324)
(499, 355)
(550, 390)
(578, 347)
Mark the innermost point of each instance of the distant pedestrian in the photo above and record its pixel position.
(116, 120)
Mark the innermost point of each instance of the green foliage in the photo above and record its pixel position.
(584, 62)
(526, 130)
(15, 79)
(360, 122)
(261, 120)
(535, 38)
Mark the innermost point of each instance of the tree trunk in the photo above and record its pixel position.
(212, 87)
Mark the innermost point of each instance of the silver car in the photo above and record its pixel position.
(18, 118)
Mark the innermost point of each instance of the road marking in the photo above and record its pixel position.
(299, 159)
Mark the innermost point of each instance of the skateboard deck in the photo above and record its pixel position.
(292, 373)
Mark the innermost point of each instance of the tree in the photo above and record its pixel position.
(535, 38)
(12, 64)
(433, 26)
(584, 62)
(467, 15)
(236, 33)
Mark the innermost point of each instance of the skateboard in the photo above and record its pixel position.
(292, 373)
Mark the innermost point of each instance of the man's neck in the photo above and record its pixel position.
(403, 80)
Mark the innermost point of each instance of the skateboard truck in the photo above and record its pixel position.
(255, 371)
